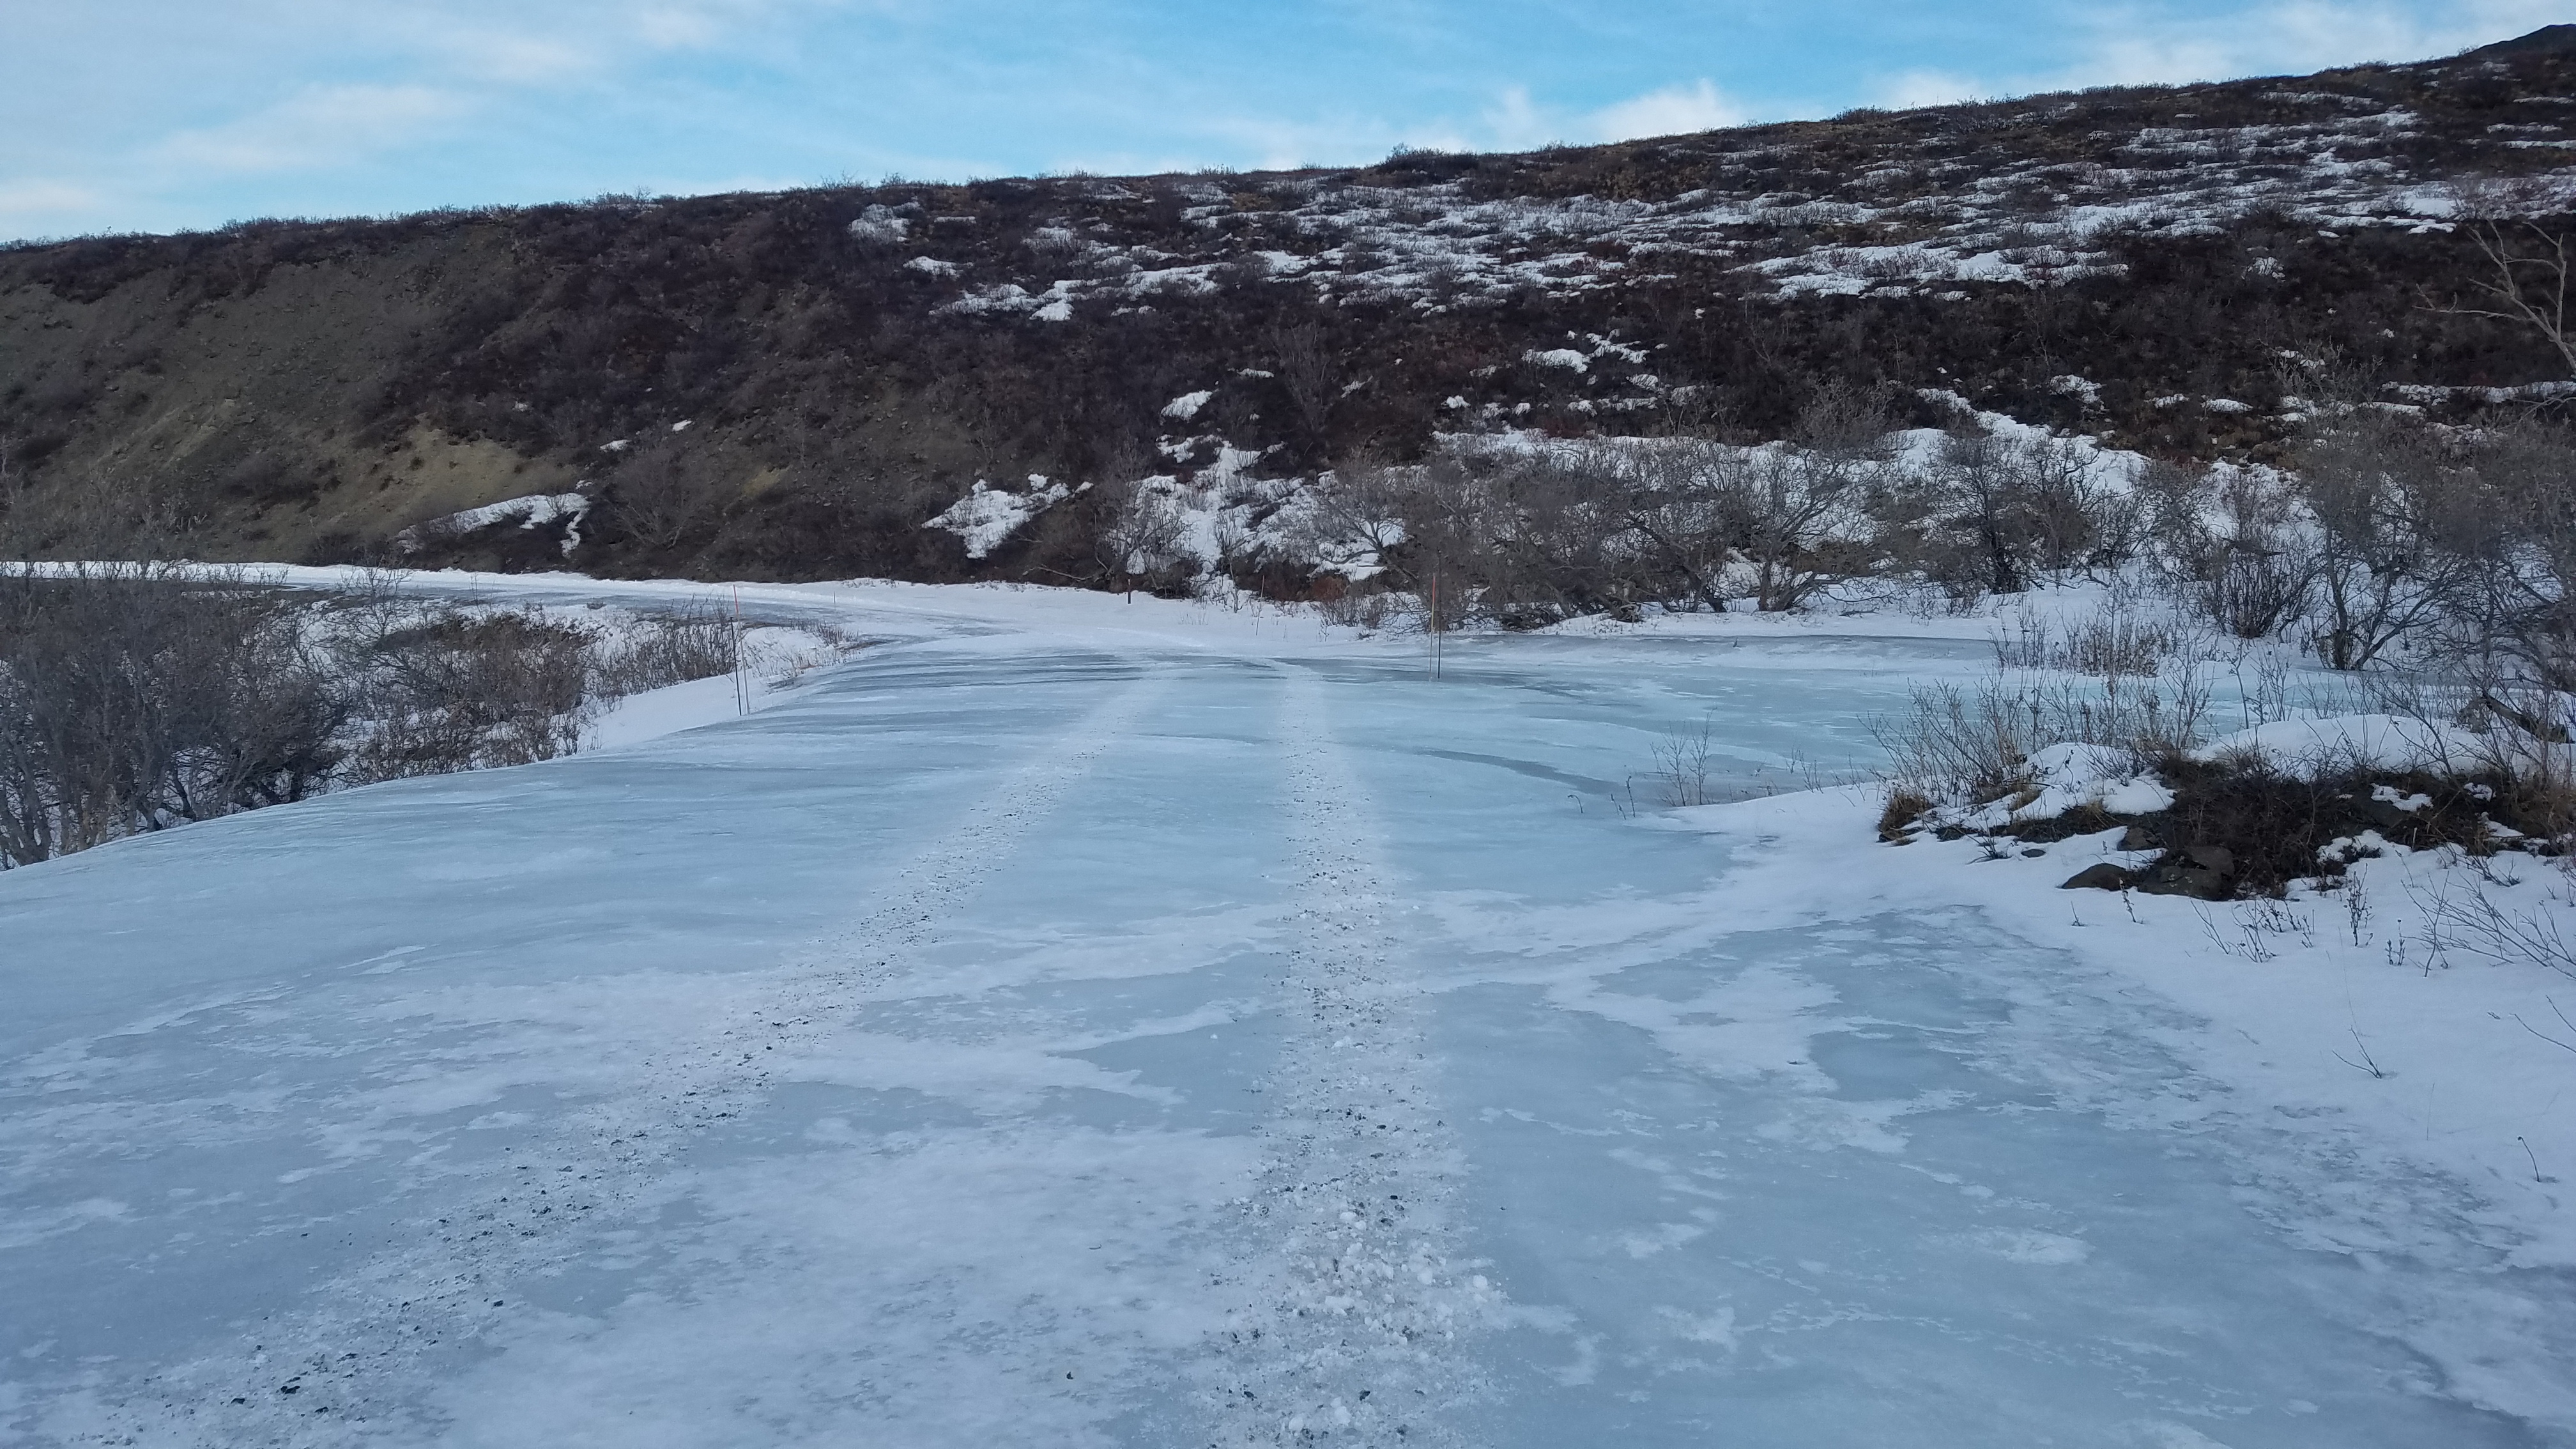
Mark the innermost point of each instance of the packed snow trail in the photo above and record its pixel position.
(1083, 1030)
(1354, 1337)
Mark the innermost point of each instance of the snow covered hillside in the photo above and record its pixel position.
(1078, 1022)
(791, 384)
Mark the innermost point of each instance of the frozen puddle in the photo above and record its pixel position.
(1083, 1039)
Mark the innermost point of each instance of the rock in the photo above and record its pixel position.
(2137, 837)
(2386, 815)
(2033, 853)
(2102, 877)
(2206, 871)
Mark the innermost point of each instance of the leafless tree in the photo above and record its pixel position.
(133, 699)
(1681, 501)
(667, 494)
(2232, 542)
(1792, 507)
(1140, 534)
(2523, 618)
(1310, 373)
(2402, 535)
(1445, 527)
(2526, 282)
(1786, 513)
(1976, 469)
(1354, 514)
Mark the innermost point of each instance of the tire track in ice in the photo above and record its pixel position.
(929, 890)
(360, 1351)
(1352, 1329)
(828, 992)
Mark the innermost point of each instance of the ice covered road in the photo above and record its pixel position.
(1104, 1036)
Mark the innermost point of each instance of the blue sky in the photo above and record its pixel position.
(166, 114)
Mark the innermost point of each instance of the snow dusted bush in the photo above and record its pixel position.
(2124, 678)
(459, 690)
(1959, 746)
(133, 699)
(2388, 540)
(137, 697)
(696, 642)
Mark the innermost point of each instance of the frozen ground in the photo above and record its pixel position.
(1071, 1022)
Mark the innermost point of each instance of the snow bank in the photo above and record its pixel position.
(2339, 1022)
(775, 659)
(2072, 776)
(534, 510)
(986, 516)
(2307, 748)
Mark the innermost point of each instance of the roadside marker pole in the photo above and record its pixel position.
(1438, 643)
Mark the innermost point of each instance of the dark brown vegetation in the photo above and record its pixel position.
(2238, 828)
(132, 703)
(135, 699)
(2247, 827)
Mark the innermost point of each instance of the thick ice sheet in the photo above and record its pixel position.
(1064, 1025)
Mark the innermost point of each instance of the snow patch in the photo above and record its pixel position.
(533, 510)
(987, 515)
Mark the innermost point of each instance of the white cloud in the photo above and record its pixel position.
(1667, 112)
(1269, 143)
(2138, 45)
(1514, 122)
(1912, 88)
(515, 58)
(33, 206)
(323, 126)
(672, 27)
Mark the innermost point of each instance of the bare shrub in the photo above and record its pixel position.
(2255, 593)
(1140, 536)
(462, 691)
(698, 642)
(2233, 542)
(2120, 639)
(1354, 515)
(1786, 512)
(1681, 504)
(135, 697)
(1539, 539)
(2011, 510)
(1436, 527)
(2523, 616)
(2462, 916)
(2403, 530)
(670, 493)
(1360, 606)
(1682, 757)
(132, 699)
(1974, 745)
(1955, 744)
(101, 515)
